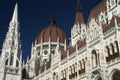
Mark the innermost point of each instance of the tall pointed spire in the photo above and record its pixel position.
(52, 19)
(78, 9)
(11, 50)
(15, 14)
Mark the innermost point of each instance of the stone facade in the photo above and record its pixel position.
(11, 56)
(92, 54)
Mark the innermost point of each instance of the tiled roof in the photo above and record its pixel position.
(53, 33)
(96, 10)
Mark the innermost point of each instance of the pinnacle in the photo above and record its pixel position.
(52, 19)
(78, 9)
(15, 14)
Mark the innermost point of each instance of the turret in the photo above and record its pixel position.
(78, 30)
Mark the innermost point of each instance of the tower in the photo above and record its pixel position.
(11, 56)
(79, 29)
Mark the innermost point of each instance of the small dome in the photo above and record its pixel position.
(52, 32)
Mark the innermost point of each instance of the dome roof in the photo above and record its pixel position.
(52, 32)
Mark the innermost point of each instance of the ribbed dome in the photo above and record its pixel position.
(53, 33)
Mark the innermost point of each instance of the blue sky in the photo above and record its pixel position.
(34, 15)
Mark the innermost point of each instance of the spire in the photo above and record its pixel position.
(12, 43)
(15, 14)
(79, 16)
(52, 19)
(78, 9)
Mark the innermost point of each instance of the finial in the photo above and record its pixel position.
(52, 19)
(78, 9)
(15, 14)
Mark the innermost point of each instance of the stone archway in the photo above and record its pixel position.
(116, 75)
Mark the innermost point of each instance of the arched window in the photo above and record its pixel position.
(111, 51)
(11, 58)
(108, 51)
(80, 71)
(75, 69)
(94, 58)
(83, 68)
(65, 74)
(80, 65)
(110, 48)
(83, 63)
(116, 49)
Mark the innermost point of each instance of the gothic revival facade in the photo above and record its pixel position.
(92, 54)
(11, 56)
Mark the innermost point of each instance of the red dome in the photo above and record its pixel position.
(53, 33)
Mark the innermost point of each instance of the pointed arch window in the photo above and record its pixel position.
(83, 69)
(111, 51)
(108, 51)
(11, 58)
(75, 69)
(83, 64)
(116, 49)
(65, 74)
(80, 67)
(94, 58)
(112, 47)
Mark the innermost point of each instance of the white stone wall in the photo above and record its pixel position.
(95, 63)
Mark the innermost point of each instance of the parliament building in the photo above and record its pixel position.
(93, 53)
